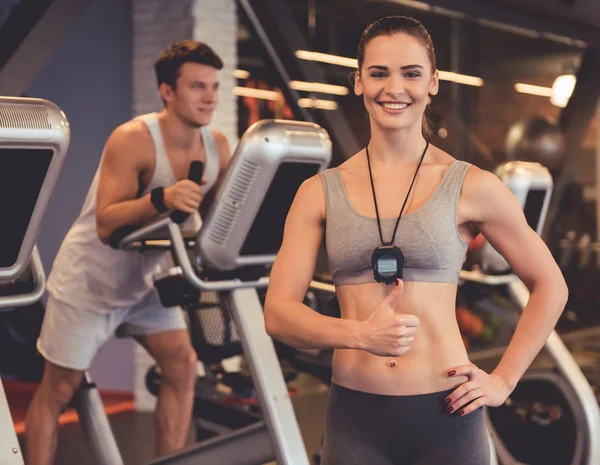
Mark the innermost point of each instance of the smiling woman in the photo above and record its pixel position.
(413, 68)
(397, 218)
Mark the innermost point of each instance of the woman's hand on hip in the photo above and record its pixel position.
(480, 389)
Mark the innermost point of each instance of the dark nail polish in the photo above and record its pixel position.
(451, 372)
(448, 401)
(449, 410)
(461, 413)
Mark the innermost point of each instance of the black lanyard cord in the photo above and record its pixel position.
(405, 199)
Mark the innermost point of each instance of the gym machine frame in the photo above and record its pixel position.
(269, 153)
(34, 139)
(531, 183)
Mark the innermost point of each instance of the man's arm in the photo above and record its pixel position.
(128, 154)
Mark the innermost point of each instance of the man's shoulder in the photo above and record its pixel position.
(219, 137)
(223, 148)
(134, 128)
(133, 133)
(131, 139)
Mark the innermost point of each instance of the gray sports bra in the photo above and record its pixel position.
(433, 249)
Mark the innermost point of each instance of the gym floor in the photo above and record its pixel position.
(134, 431)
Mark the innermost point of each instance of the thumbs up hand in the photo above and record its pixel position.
(387, 333)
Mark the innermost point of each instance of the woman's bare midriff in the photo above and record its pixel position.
(437, 346)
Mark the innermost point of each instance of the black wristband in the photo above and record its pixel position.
(157, 197)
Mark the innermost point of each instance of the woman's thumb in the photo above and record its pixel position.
(392, 298)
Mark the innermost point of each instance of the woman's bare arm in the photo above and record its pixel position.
(495, 212)
(286, 317)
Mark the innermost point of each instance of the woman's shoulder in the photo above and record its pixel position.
(352, 162)
(312, 190)
(310, 197)
(439, 157)
(481, 186)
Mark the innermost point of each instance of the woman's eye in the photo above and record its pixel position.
(412, 75)
(378, 75)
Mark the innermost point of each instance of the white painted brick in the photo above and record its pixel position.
(215, 22)
(157, 24)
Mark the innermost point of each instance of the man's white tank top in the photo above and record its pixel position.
(89, 274)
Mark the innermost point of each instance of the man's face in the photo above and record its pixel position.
(195, 96)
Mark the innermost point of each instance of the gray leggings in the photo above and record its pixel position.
(372, 429)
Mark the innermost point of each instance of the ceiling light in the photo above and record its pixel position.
(562, 89)
(533, 90)
(319, 104)
(460, 78)
(353, 63)
(326, 58)
(415, 4)
(241, 74)
(256, 93)
(319, 87)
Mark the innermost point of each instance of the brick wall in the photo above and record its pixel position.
(215, 22)
(157, 24)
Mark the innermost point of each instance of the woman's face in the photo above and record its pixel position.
(396, 80)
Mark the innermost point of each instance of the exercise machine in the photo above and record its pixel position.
(231, 255)
(552, 416)
(34, 139)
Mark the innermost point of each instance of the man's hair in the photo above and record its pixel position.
(171, 60)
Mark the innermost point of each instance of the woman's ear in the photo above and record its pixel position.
(435, 84)
(358, 85)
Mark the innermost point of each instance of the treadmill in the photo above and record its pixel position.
(34, 139)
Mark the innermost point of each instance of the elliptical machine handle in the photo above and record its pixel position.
(195, 174)
(28, 298)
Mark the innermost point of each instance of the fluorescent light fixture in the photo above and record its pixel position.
(509, 28)
(319, 87)
(318, 104)
(272, 95)
(460, 78)
(559, 93)
(241, 74)
(327, 58)
(256, 93)
(353, 63)
(415, 4)
(562, 89)
(533, 90)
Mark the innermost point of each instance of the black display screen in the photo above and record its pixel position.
(22, 174)
(266, 233)
(533, 207)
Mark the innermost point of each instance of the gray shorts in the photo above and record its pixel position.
(71, 337)
(372, 429)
